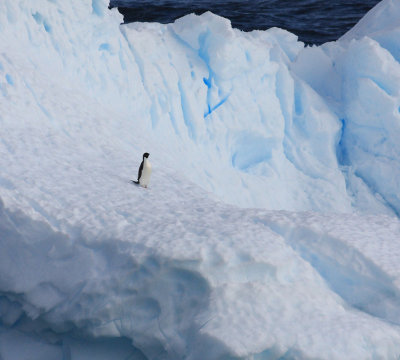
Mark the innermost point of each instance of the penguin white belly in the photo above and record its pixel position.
(146, 172)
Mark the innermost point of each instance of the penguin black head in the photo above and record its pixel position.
(146, 155)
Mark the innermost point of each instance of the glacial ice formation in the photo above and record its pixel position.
(270, 226)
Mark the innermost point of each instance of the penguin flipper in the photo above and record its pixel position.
(140, 172)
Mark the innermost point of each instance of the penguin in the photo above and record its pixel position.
(144, 171)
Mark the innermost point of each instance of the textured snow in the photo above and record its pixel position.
(270, 227)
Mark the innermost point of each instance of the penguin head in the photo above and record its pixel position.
(146, 155)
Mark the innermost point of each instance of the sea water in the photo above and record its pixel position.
(314, 21)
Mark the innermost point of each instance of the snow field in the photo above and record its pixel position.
(240, 292)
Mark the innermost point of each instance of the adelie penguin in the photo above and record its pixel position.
(144, 172)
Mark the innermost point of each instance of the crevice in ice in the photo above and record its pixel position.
(341, 151)
(298, 101)
(215, 107)
(185, 104)
(210, 81)
(40, 20)
(9, 79)
(349, 144)
(98, 7)
(379, 84)
(375, 191)
(284, 84)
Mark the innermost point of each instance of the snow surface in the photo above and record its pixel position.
(270, 227)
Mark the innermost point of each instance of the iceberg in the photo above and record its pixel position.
(270, 226)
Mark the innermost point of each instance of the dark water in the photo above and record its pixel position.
(314, 21)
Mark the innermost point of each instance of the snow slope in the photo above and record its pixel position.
(269, 228)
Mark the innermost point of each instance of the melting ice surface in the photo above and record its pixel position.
(270, 229)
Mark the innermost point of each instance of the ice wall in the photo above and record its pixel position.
(75, 44)
(359, 75)
(258, 120)
(233, 123)
(231, 102)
